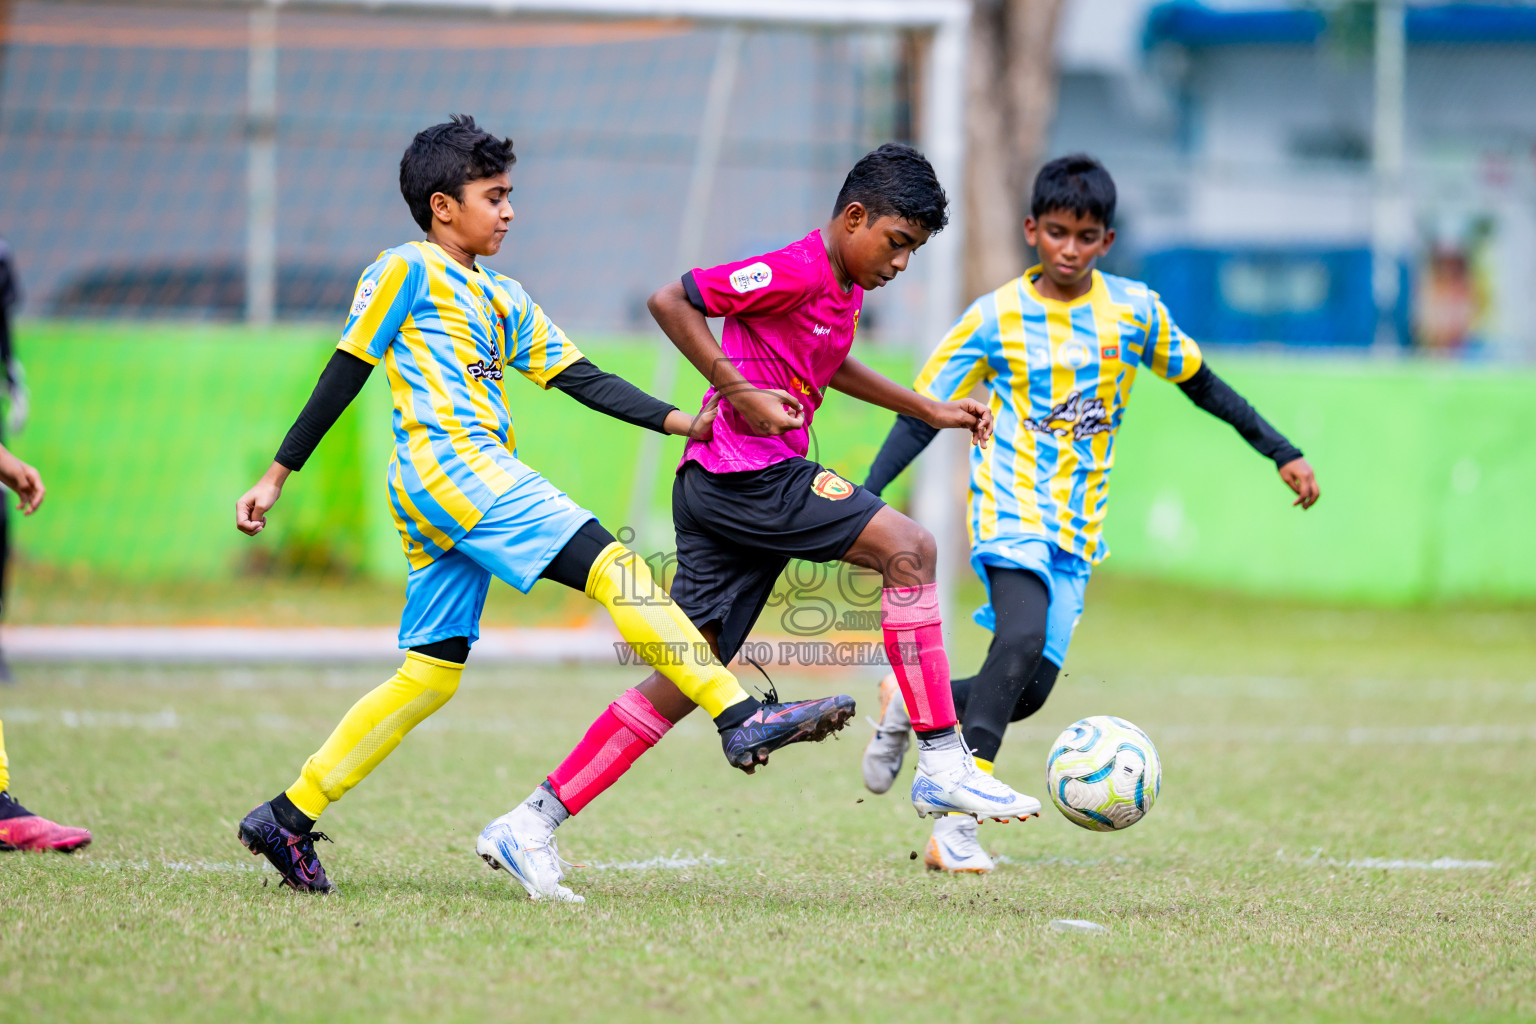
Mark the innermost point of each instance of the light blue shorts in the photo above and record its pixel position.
(1065, 576)
(515, 539)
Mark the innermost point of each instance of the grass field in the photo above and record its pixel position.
(1344, 833)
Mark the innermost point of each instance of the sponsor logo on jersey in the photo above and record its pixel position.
(364, 296)
(831, 486)
(483, 370)
(818, 329)
(1074, 355)
(1109, 352)
(1077, 418)
(796, 384)
(855, 329)
(751, 277)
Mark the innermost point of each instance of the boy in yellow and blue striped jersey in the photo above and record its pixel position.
(448, 332)
(1058, 350)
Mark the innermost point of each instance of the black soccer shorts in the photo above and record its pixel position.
(737, 531)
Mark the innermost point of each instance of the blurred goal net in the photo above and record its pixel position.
(211, 161)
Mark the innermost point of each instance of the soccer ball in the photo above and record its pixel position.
(1103, 773)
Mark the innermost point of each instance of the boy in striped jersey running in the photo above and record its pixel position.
(1058, 350)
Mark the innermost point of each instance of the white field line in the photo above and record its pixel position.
(169, 719)
(1390, 864)
(675, 862)
(193, 867)
(1358, 735)
(235, 645)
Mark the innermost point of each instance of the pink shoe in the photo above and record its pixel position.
(35, 833)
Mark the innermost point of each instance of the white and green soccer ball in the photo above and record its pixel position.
(1103, 773)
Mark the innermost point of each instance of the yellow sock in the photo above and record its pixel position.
(658, 631)
(5, 766)
(372, 728)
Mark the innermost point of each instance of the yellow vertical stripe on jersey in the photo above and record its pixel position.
(958, 335)
(361, 337)
(1058, 323)
(440, 398)
(1013, 338)
(447, 334)
(1033, 483)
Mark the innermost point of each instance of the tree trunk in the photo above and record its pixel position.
(1011, 101)
(991, 207)
(1031, 44)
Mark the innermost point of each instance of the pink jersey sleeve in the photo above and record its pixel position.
(771, 283)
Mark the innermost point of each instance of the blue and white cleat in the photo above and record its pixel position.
(526, 850)
(966, 789)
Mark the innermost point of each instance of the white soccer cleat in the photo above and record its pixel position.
(969, 790)
(953, 847)
(887, 748)
(528, 853)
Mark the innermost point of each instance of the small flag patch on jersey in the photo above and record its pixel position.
(831, 486)
(1109, 352)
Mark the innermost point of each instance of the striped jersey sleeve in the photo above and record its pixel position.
(1167, 351)
(380, 306)
(960, 361)
(536, 348)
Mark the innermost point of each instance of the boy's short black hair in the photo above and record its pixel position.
(1078, 183)
(444, 157)
(896, 181)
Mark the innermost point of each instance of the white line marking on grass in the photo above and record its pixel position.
(1391, 864)
(1361, 735)
(1072, 924)
(676, 862)
(194, 866)
(1071, 862)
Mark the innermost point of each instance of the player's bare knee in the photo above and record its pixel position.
(911, 560)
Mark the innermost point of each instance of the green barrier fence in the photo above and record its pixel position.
(147, 434)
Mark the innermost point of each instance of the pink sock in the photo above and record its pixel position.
(914, 644)
(626, 729)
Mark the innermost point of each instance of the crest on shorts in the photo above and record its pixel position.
(831, 486)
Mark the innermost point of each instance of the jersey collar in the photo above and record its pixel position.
(441, 255)
(1088, 296)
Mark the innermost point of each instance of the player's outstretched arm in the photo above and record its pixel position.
(769, 412)
(1218, 398)
(856, 380)
(23, 479)
(340, 382)
(906, 441)
(612, 395)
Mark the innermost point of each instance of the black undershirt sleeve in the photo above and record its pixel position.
(611, 394)
(904, 443)
(695, 296)
(1216, 397)
(340, 382)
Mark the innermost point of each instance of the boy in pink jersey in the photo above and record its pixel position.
(747, 501)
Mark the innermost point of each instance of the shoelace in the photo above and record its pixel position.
(771, 696)
(310, 837)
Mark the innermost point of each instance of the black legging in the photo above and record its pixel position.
(1016, 677)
